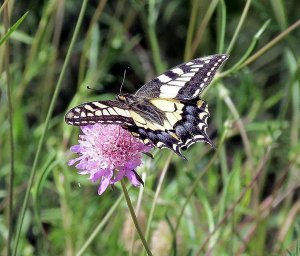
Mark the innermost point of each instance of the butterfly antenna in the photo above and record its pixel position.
(123, 80)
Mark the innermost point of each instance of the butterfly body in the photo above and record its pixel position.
(166, 112)
(143, 107)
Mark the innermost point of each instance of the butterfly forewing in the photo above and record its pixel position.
(106, 112)
(185, 81)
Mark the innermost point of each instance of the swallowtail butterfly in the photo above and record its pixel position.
(166, 112)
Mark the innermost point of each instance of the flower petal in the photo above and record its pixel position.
(76, 148)
(134, 178)
(120, 175)
(103, 185)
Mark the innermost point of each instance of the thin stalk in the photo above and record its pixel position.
(11, 135)
(269, 45)
(3, 5)
(189, 196)
(32, 56)
(151, 22)
(239, 26)
(195, 186)
(191, 28)
(134, 218)
(159, 67)
(203, 25)
(161, 179)
(258, 172)
(50, 77)
(13, 28)
(66, 213)
(250, 49)
(192, 191)
(296, 113)
(221, 26)
(280, 12)
(83, 60)
(240, 124)
(263, 50)
(100, 226)
(222, 149)
(49, 114)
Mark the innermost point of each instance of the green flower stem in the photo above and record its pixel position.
(100, 226)
(133, 216)
(137, 210)
(46, 124)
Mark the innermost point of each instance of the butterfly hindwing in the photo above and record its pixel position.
(193, 126)
(160, 134)
(184, 124)
(185, 81)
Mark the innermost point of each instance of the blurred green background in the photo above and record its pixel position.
(242, 199)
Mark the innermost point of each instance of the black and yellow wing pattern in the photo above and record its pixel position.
(166, 112)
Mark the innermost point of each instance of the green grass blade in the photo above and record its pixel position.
(239, 26)
(46, 124)
(221, 26)
(13, 28)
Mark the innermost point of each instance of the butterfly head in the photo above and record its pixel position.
(126, 97)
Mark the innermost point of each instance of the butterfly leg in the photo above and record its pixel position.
(138, 177)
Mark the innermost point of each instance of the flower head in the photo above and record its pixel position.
(108, 153)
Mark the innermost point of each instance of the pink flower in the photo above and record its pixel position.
(108, 153)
